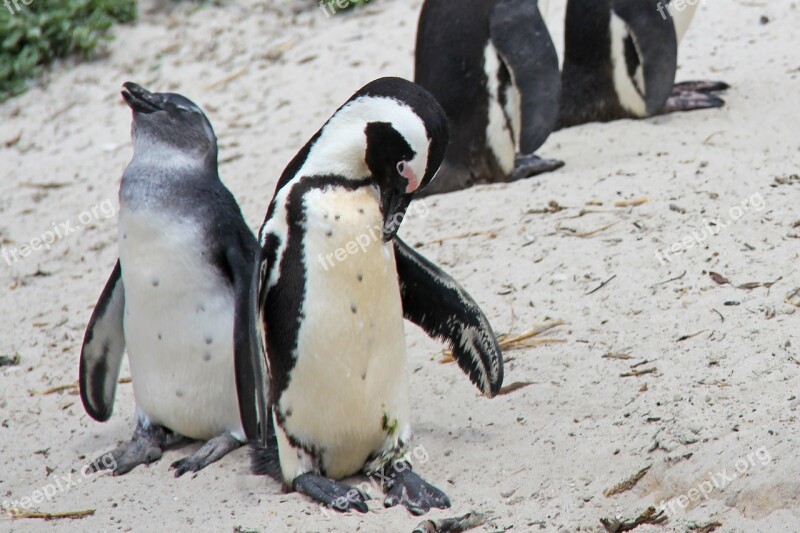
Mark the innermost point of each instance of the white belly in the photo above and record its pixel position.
(178, 327)
(348, 393)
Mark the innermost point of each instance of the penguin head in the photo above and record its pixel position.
(406, 138)
(169, 123)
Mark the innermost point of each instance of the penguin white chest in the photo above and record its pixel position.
(348, 392)
(178, 326)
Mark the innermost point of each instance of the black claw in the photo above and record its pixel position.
(407, 488)
(527, 166)
(337, 496)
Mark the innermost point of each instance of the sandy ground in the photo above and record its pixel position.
(718, 413)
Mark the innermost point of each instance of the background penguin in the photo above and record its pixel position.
(620, 58)
(184, 271)
(492, 66)
(333, 333)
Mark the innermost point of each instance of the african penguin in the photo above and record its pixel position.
(492, 66)
(620, 58)
(329, 334)
(184, 272)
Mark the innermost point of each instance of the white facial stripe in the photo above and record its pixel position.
(500, 140)
(626, 88)
(340, 150)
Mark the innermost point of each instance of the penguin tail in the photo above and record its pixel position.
(264, 461)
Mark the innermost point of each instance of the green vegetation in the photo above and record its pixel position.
(33, 36)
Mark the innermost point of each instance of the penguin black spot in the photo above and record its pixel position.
(209, 339)
(201, 308)
(353, 308)
(337, 217)
(156, 282)
(364, 376)
(360, 211)
(207, 357)
(360, 277)
(329, 233)
(160, 336)
(179, 393)
(124, 235)
(288, 413)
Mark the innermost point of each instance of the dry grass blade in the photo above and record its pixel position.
(594, 232)
(636, 202)
(619, 525)
(490, 234)
(637, 373)
(515, 342)
(72, 388)
(628, 484)
(620, 356)
(22, 513)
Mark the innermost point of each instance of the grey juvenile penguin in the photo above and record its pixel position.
(183, 275)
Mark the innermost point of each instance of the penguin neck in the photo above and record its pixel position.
(165, 160)
(587, 39)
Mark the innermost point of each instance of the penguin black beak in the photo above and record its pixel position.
(394, 202)
(140, 99)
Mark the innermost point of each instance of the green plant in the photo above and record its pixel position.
(33, 36)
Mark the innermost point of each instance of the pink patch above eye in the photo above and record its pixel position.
(408, 174)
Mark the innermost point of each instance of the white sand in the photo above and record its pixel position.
(542, 455)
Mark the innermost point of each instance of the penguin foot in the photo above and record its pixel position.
(337, 496)
(145, 447)
(527, 166)
(417, 495)
(692, 95)
(212, 451)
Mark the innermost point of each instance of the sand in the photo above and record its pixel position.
(718, 413)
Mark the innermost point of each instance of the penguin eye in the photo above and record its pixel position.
(401, 167)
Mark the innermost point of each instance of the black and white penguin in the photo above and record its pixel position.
(620, 58)
(331, 289)
(492, 66)
(184, 272)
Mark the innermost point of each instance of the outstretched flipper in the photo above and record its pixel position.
(520, 36)
(651, 46)
(103, 348)
(440, 306)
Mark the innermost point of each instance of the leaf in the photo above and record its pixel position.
(719, 279)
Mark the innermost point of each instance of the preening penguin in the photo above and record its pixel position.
(184, 272)
(493, 67)
(330, 336)
(620, 58)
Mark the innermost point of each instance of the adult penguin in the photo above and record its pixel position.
(620, 59)
(492, 66)
(333, 366)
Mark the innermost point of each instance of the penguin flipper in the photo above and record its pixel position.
(103, 348)
(249, 380)
(439, 305)
(656, 45)
(252, 365)
(520, 36)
